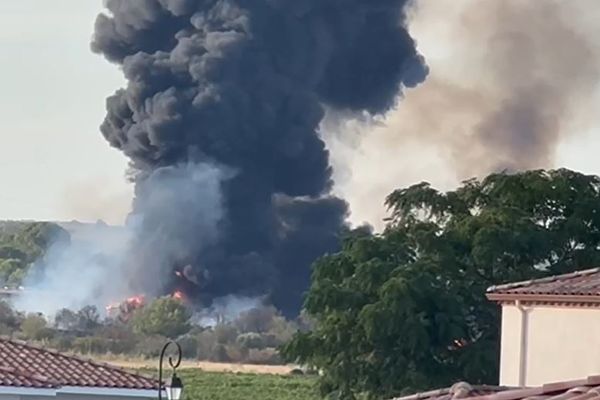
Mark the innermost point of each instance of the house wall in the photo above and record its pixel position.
(64, 397)
(49, 394)
(543, 344)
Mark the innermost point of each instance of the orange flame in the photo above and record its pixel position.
(136, 300)
(127, 305)
(178, 295)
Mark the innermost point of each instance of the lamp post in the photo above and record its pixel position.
(174, 387)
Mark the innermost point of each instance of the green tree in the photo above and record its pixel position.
(42, 235)
(88, 318)
(66, 319)
(34, 327)
(251, 340)
(9, 270)
(25, 243)
(165, 316)
(9, 319)
(406, 309)
(258, 319)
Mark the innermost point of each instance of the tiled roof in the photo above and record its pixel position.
(580, 283)
(583, 389)
(459, 390)
(23, 365)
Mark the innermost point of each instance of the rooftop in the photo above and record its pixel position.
(582, 389)
(580, 286)
(26, 366)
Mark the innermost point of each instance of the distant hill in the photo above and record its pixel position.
(79, 231)
(23, 243)
(92, 232)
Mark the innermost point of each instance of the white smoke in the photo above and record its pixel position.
(99, 268)
(86, 271)
(226, 309)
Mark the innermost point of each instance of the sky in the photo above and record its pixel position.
(55, 164)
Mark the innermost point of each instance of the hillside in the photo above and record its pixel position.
(24, 244)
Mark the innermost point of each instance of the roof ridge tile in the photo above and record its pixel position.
(572, 389)
(547, 279)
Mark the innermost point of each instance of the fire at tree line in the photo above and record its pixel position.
(389, 313)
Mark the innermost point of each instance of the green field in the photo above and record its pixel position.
(199, 385)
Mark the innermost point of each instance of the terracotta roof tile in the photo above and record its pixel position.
(458, 390)
(25, 365)
(580, 283)
(582, 389)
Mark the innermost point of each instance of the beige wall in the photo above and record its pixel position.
(544, 344)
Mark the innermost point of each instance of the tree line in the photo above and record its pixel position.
(252, 337)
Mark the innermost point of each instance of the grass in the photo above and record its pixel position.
(201, 385)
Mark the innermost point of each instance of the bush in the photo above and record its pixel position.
(264, 357)
(225, 333)
(165, 316)
(207, 340)
(256, 320)
(220, 354)
(189, 346)
(9, 320)
(236, 354)
(150, 346)
(250, 340)
(62, 343)
(91, 345)
(34, 327)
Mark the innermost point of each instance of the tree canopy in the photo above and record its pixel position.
(405, 310)
(24, 243)
(164, 316)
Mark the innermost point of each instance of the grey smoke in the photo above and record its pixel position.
(83, 271)
(108, 264)
(226, 309)
(509, 80)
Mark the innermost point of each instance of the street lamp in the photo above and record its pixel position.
(174, 387)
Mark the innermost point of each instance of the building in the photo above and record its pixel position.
(28, 372)
(547, 327)
(578, 389)
(550, 342)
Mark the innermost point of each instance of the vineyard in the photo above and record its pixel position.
(200, 385)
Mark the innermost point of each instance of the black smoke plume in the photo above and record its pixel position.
(220, 120)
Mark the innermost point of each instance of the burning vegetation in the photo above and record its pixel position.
(125, 309)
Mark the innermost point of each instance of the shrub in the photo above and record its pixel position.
(250, 340)
(256, 320)
(165, 316)
(225, 333)
(62, 343)
(220, 354)
(207, 340)
(34, 327)
(189, 346)
(264, 356)
(149, 346)
(91, 345)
